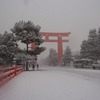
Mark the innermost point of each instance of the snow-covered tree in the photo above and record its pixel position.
(67, 56)
(84, 49)
(8, 47)
(37, 51)
(27, 32)
(98, 45)
(76, 55)
(53, 58)
(89, 47)
(1, 61)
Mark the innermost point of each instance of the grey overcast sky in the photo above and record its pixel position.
(75, 16)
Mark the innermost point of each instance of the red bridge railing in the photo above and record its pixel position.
(8, 73)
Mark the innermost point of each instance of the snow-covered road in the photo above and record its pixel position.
(52, 83)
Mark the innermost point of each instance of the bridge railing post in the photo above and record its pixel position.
(8, 73)
(15, 70)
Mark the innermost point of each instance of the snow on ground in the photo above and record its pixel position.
(52, 83)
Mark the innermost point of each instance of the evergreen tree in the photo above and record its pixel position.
(27, 32)
(36, 51)
(98, 45)
(8, 47)
(89, 47)
(1, 61)
(84, 49)
(53, 58)
(76, 55)
(67, 56)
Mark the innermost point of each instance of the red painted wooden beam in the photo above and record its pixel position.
(55, 34)
(55, 40)
(8, 73)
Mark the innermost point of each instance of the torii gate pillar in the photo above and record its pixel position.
(59, 41)
(60, 49)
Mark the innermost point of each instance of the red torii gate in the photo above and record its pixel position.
(59, 41)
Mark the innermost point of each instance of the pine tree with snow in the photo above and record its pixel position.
(98, 45)
(67, 56)
(76, 55)
(53, 58)
(84, 49)
(8, 47)
(27, 32)
(89, 47)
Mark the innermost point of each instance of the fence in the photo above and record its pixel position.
(8, 73)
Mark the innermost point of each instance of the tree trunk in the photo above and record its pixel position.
(26, 48)
(27, 66)
(27, 61)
